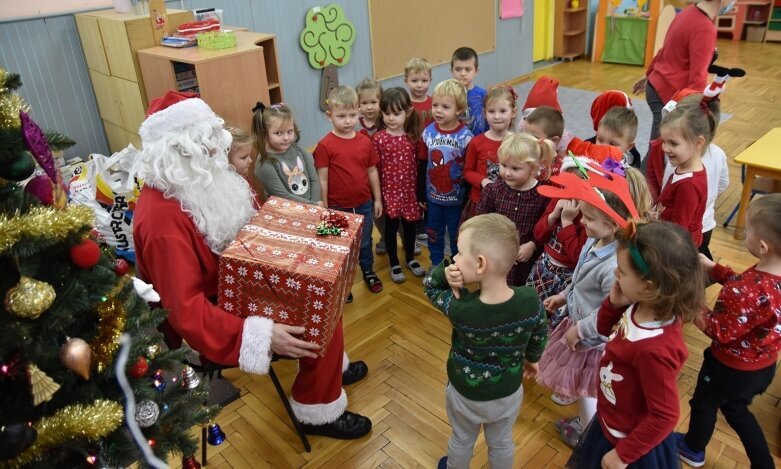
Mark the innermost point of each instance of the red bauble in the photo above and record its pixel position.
(121, 267)
(86, 254)
(189, 462)
(139, 368)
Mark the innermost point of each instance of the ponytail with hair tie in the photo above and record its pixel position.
(259, 107)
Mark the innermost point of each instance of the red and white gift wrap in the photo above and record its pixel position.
(279, 268)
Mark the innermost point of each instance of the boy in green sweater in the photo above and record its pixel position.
(499, 333)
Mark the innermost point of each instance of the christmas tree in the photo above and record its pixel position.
(66, 303)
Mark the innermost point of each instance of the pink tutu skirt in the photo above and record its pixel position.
(566, 372)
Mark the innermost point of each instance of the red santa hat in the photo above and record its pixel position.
(173, 111)
(607, 100)
(545, 92)
(568, 162)
(677, 97)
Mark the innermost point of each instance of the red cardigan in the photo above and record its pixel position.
(563, 244)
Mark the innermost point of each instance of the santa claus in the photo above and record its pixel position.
(192, 205)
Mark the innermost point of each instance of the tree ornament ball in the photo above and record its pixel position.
(19, 168)
(121, 267)
(16, 438)
(86, 254)
(29, 298)
(147, 413)
(76, 355)
(139, 368)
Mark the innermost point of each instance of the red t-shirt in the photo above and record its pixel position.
(424, 111)
(683, 199)
(348, 161)
(683, 60)
(481, 161)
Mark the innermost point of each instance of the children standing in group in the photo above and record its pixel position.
(464, 67)
(618, 128)
(521, 158)
(569, 365)
(417, 77)
(498, 335)
(283, 167)
(741, 360)
(686, 132)
(658, 286)
(397, 144)
(347, 166)
(446, 140)
(369, 95)
(482, 165)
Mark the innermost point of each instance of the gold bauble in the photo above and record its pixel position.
(29, 298)
(76, 355)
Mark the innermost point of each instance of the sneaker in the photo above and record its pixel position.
(569, 431)
(416, 268)
(397, 275)
(349, 298)
(442, 464)
(417, 249)
(373, 283)
(422, 236)
(563, 400)
(380, 248)
(694, 459)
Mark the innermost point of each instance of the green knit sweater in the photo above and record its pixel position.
(489, 342)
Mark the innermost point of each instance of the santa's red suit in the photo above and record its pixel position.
(176, 245)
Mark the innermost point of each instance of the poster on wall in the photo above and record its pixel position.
(510, 9)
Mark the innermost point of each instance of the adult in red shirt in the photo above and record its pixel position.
(683, 60)
(192, 205)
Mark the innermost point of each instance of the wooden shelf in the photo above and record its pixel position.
(569, 27)
(754, 22)
(574, 10)
(574, 33)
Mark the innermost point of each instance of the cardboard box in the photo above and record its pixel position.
(280, 268)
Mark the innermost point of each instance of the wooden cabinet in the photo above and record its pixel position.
(230, 80)
(748, 19)
(773, 32)
(569, 26)
(110, 41)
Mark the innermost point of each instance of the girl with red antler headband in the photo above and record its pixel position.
(570, 364)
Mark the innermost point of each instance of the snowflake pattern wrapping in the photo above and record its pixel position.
(278, 267)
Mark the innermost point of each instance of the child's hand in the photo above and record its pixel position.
(552, 303)
(706, 263)
(556, 213)
(485, 182)
(422, 205)
(526, 251)
(569, 211)
(377, 209)
(530, 370)
(571, 337)
(701, 320)
(617, 297)
(612, 461)
(454, 279)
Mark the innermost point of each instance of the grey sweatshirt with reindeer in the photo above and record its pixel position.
(291, 175)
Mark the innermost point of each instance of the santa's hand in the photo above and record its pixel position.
(284, 342)
(454, 279)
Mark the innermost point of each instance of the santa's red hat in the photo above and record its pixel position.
(545, 92)
(605, 101)
(172, 112)
(677, 97)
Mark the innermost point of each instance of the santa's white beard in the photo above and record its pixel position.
(192, 167)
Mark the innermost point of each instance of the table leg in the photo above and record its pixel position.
(745, 197)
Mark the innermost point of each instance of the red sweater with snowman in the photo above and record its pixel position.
(744, 323)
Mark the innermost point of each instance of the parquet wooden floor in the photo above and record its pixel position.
(405, 341)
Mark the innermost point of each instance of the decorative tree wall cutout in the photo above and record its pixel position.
(327, 38)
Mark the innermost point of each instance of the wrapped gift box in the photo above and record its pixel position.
(280, 268)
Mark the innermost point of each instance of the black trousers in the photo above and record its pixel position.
(408, 238)
(704, 245)
(731, 390)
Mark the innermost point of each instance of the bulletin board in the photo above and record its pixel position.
(433, 29)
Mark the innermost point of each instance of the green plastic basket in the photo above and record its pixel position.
(217, 40)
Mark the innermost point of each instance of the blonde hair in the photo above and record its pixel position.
(550, 121)
(343, 96)
(526, 148)
(240, 136)
(714, 106)
(620, 121)
(367, 84)
(764, 214)
(417, 65)
(454, 89)
(501, 92)
(641, 194)
(693, 120)
(494, 236)
(261, 120)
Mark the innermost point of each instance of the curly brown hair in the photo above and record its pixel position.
(673, 269)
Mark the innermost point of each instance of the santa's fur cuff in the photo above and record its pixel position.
(345, 362)
(255, 352)
(320, 414)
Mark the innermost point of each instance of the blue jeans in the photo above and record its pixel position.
(366, 256)
(441, 218)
